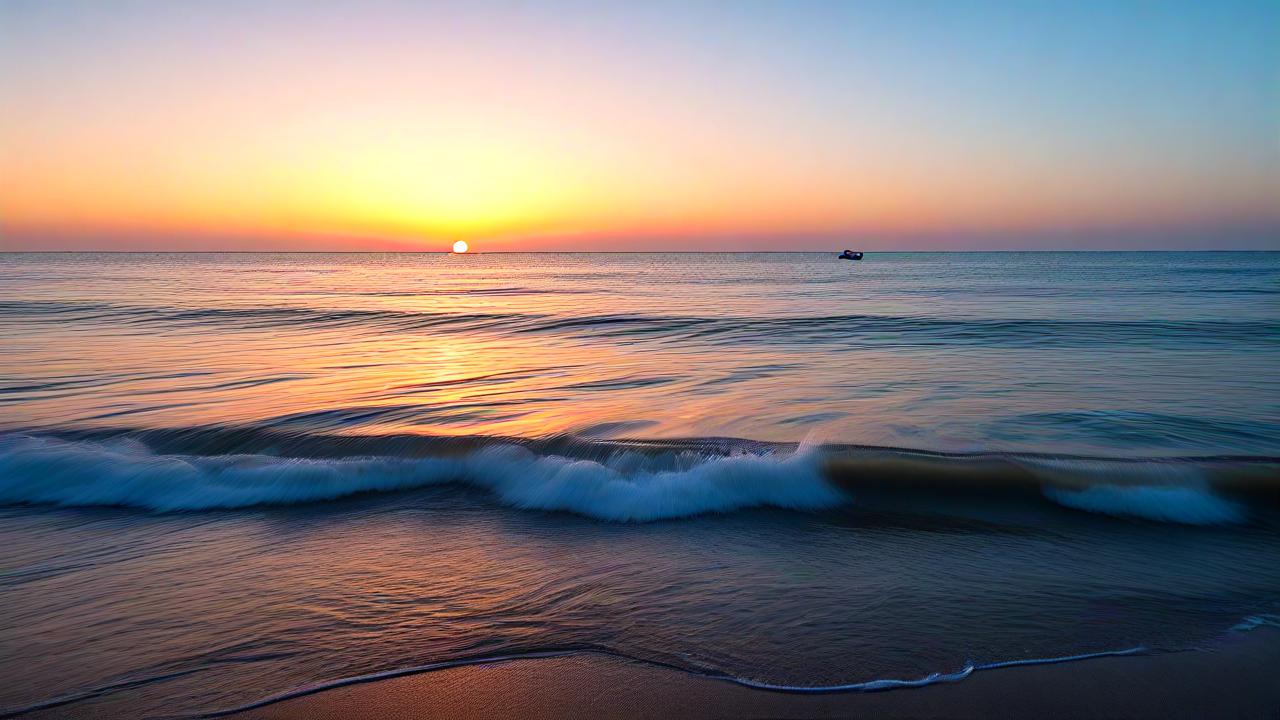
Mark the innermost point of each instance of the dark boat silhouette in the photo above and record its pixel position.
(850, 255)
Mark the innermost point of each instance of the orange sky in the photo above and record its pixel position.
(229, 126)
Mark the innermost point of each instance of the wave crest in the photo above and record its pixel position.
(627, 486)
(627, 481)
(1186, 505)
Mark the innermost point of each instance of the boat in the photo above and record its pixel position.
(850, 255)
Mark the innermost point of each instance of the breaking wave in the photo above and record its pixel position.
(1188, 505)
(628, 487)
(606, 480)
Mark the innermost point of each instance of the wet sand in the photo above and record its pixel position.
(1238, 678)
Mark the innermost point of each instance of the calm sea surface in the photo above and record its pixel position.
(224, 477)
(1114, 353)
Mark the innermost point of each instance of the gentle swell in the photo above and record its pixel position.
(870, 330)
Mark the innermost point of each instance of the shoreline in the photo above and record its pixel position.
(1233, 678)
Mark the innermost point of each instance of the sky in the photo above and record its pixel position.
(662, 125)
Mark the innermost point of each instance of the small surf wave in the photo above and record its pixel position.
(1177, 492)
(624, 481)
(627, 486)
(1189, 491)
(1187, 505)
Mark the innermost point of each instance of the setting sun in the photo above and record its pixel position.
(460, 247)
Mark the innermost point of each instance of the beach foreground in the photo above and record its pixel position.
(1234, 679)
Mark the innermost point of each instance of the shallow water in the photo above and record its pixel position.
(223, 477)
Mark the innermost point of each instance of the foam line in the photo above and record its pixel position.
(1138, 650)
(867, 686)
(1188, 505)
(1253, 622)
(878, 685)
(389, 674)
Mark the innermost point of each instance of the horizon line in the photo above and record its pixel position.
(624, 252)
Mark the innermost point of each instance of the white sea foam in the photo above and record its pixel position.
(43, 470)
(1179, 504)
(1253, 622)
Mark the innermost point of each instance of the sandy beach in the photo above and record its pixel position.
(1234, 679)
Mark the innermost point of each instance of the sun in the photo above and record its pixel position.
(460, 247)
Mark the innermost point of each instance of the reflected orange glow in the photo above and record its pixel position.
(437, 380)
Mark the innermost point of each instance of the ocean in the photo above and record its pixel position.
(229, 477)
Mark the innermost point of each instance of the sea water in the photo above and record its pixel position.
(225, 477)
